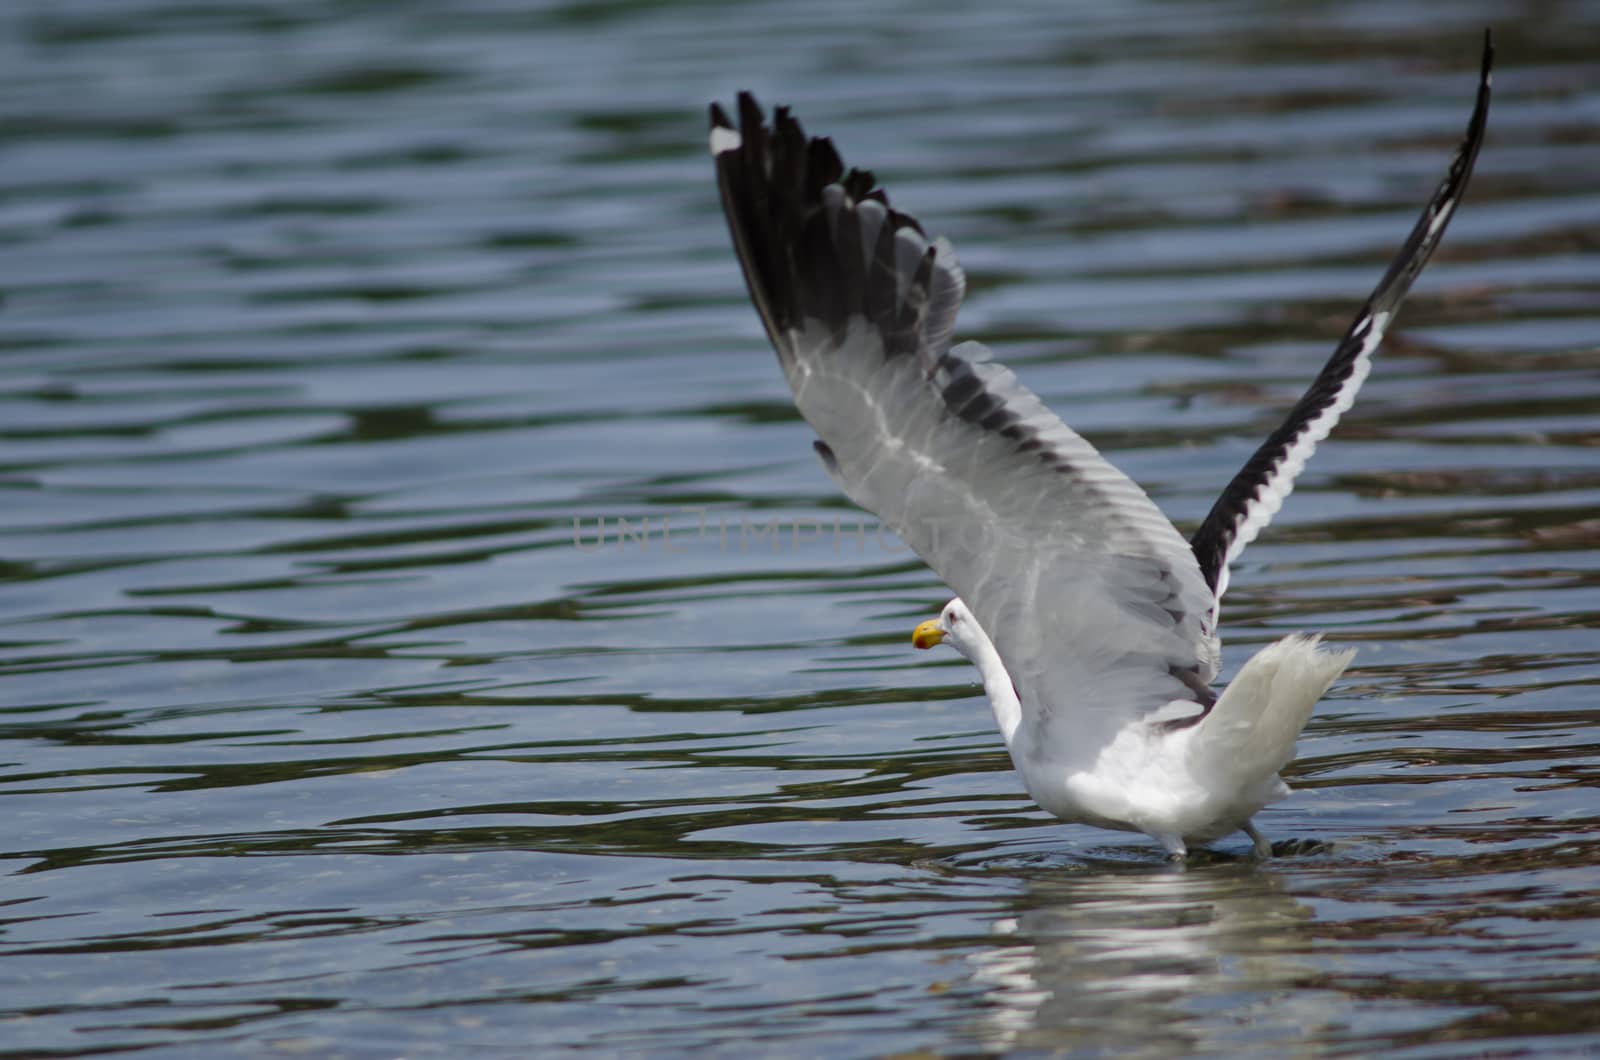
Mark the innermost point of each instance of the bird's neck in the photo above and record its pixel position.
(1000, 689)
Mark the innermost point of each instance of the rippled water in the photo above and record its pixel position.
(334, 336)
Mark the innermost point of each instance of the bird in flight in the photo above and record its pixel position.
(1091, 620)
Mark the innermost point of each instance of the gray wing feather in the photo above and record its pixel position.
(1094, 600)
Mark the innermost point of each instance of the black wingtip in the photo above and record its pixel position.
(1486, 68)
(719, 118)
(750, 116)
(1217, 536)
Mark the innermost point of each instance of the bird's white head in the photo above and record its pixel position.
(956, 627)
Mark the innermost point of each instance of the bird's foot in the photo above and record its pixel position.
(1263, 848)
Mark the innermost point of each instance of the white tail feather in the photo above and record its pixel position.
(1250, 733)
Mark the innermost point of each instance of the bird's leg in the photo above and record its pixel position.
(1263, 848)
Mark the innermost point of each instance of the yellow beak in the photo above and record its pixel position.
(928, 634)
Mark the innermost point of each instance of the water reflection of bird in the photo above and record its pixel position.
(1091, 620)
(1147, 964)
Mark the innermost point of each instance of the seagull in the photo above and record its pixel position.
(1091, 620)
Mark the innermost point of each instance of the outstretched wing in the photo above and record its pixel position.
(1258, 490)
(1095, 602)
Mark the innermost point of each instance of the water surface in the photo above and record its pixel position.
(339, 342)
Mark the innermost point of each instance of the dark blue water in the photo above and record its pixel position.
(338, 342)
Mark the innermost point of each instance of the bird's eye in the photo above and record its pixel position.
(954, 618)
